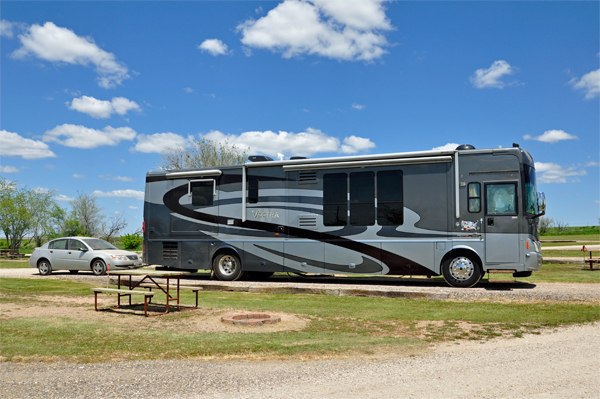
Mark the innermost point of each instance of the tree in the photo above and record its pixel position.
(201, 154)
(23, 211)
(113, 227)
(87, 213)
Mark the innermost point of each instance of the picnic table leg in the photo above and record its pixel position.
(96, 300)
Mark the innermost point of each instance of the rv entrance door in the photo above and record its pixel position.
(501, 221)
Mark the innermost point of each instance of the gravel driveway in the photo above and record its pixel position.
(560, 364)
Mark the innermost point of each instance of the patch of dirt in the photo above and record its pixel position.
(199, 320)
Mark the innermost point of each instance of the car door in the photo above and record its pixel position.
(57, 254)
(77, 258)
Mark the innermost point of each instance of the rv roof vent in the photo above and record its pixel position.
(295, 158)
(465, 147)
(259, 158)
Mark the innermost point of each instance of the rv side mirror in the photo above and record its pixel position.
(541, 201)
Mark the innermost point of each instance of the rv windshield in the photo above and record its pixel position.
(530, 191)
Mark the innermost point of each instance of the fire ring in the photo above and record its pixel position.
(250, 319)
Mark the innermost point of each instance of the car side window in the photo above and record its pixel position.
(75, 245)
(58, 244)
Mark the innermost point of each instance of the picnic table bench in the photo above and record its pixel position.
(119, 292)
(9, 253)
(591, 260)
(163, 287)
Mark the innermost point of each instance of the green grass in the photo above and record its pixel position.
(570, 231)
(563, 273)
(14, 264)
(337, 326)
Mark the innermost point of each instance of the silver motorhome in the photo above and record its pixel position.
(457, 213)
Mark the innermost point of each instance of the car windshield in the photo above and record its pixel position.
(98, 244)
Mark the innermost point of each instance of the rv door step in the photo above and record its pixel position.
(505, 280)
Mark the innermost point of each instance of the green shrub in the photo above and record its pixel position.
(132, 241)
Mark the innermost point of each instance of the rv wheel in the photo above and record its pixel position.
(228, 267)
(461, 271)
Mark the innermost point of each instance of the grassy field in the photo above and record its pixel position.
(333, 325)
(13, 264)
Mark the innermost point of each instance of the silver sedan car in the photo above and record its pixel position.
(82, 253)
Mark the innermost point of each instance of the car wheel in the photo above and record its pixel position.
(98, 267)
(461, 271)
(44, 267)
(73, 271)
(228, 267)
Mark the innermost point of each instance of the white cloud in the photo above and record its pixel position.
(589, 83)
(158, 142)
(8, 169)
(133, 207)
(358, 106)
(347, 30)
(6, 28)
(101, 109)
(491, 77)
(120, 194)
(62, 197)
(307, 143)
(552, 173)
(117, 178)
(188, 89)
(41, 190)
(77, 176)
(552, 136)
(11, 144)
(446, 147)
(61, 45)
(78, 136)
(214, 47)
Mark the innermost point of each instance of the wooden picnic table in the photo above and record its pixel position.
(591, 260)
(149, 277)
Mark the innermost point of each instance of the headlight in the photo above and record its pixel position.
(119, 257)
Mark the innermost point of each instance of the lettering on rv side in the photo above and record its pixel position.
(259, 214)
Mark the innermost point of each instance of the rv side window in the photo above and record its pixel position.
(253, 191)
(390, 201)
(202, 192)
(335, 199)
(362, 199)
(474, 197)
(501, 199)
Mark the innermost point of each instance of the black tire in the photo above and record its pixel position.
(98, 267)
(461, 271)
(44, 267)
(227, 267)
(73, 271)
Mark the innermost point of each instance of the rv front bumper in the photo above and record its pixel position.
(533, 261)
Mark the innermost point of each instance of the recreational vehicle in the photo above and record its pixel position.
(456, 213)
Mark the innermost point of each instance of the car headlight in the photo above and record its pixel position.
(119, 257)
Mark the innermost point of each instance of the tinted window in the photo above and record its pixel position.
(202, 193)
(474, 190)
(501, 199)
(76, 244)
(98, 244)
(58, 244)
(390, 200)
(253, 191)
(362, 199)
(530, 191)
(335, 194)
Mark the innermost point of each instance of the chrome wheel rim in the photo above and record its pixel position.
(227, 265)
(462, 268)
(43, 268)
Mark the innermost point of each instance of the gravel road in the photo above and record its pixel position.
(555, 364)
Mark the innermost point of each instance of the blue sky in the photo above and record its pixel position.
(91, 92)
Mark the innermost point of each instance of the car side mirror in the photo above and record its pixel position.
(83, 249)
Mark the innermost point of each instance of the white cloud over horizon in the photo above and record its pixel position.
(8, 169)
(492, 76)
(61, 45)
(214, 47)
(349, 30)
(589, 83)
(549, 172)
(158, 142)
(307, 143)
(552, 136)
(102, 109)
(12, 144)
(77, 136)
(446, 147)
(139, 195)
